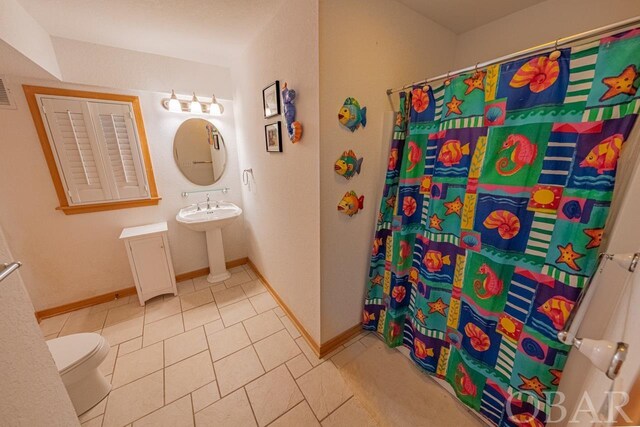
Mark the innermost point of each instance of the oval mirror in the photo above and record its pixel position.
(199, 151)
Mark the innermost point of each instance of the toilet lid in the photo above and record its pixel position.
(70, 350)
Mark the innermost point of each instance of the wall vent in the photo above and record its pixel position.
(6, 101)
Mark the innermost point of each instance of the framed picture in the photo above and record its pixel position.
(271, 99)
(273, 137)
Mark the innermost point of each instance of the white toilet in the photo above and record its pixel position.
(77, 358)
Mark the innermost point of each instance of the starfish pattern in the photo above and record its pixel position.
(454, 106)
(391, 201)
(434, 222)
(421, 316)
(569, 256)
(454, 206)
(557, 375)
(534, 384)
(596, 237)
(476, 81)
(621, 84)
(438, 306)
(377, 280)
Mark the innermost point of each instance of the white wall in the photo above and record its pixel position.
(73, 257)
(364, 50)
(32, 393)
(282, 210)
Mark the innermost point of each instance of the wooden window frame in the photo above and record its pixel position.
(31, 92)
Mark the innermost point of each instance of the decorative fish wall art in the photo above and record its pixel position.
(348, 165)
(351, 115)
(351, 204)
(294, 128)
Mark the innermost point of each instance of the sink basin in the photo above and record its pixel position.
(211, 221)
(218, 216)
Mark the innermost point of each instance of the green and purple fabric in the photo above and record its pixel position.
(495, 200)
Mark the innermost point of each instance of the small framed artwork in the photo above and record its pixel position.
(271, 99)
(273, 137)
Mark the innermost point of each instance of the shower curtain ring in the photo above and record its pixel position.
(447, 82)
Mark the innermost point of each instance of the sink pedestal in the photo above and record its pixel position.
(215, 251)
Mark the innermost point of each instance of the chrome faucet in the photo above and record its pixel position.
(208, 202)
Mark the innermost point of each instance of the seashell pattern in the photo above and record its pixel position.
(539, 74)
(409, 206)
(507, 223)
(478, 339)
(494, 114)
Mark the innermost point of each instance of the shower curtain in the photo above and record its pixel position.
(494, 205)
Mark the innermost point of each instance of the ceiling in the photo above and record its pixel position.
(464, 15)
(208, 31)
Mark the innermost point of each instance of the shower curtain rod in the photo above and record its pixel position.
(536, 49)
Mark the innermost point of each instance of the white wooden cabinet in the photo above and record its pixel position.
(150, 258)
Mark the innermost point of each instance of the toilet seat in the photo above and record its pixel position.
(72, 350)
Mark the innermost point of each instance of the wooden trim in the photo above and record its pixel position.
(320, 350)
(202, 271)
(77, 305)
(31, 92)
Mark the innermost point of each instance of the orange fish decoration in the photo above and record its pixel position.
(366, 316)
(434, 260)
(477, 337)
(414, 155)
(604, 156)
(452, 151)
(524, 153)
(557, 309)
(507, 223)
(420, 349)
(393, 159)
(377, 242)
(539, 73)
(405, 250)
(526, 419)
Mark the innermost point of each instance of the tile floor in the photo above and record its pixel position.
(221, 354)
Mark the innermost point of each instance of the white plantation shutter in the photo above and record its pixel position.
(76, 150)
(118, 142)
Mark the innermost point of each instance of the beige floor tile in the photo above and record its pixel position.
(196, 299)
(234, 410)
(276, 349)
(253, 288)
(185, 287)
(95, 422)
(299, 365)
(187, 376)
(356, 338)
(262, 325)
(279, 312)
(123, 331)
(293, 331)
(369, 340)
(184, 345)
(94, 412)
(53, 325)
(324, 389)
(162, 309)
(227, 341)
(263, 302)
(273, 394)
(83, 321)
(348, 354)
(301, 415)
(237, 279)
(106, 367)
(229, 296)
(238, 369)
(237, 269)
(217, 287)
(137, 364)
(200, 316)
(213, 327)
(162, 329)
(129, 346)
(123, 312)
(350, 414)
(201, 283)
(135, 400)
(112, 304)
(251, 273)
(205, 396)
(237, 312)
(311, 356)
(176, 414)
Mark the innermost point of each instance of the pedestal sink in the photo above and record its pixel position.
(211, 220)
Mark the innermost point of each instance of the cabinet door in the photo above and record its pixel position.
(151, 265)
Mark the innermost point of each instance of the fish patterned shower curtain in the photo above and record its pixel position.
(495, 201)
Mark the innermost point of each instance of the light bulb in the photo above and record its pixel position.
(174, 103)
(215, 109)
(196, 107)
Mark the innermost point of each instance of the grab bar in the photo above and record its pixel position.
(8, 269)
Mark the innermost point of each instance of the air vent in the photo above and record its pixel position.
(5, 95)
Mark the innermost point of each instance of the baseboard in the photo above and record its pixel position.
(72, 306)
(319, 349)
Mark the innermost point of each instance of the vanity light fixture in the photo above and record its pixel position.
(193, 105)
